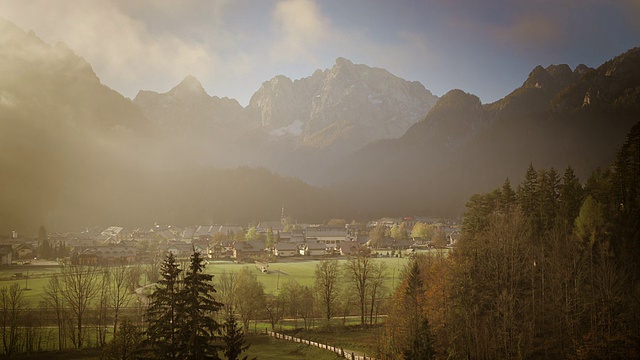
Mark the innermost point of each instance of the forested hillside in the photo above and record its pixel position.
(548, 269)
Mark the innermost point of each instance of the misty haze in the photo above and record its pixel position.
(299, 179)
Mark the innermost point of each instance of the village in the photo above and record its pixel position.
(266, 241)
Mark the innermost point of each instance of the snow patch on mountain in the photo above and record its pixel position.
(295, 129)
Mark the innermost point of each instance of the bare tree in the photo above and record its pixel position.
(120, 297)
(104, 290)
(376, 286)
(79, 288)
(274, 306)
(357, 272)
(227, 285)
(11, 306)
(53, 298)
(327, 285)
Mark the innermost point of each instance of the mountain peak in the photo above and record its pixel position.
(343, 62)
(189, 86)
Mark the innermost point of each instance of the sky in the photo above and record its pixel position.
(232, 46)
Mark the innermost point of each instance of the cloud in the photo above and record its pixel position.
(300, 28)
(529, 31)
(119, 47)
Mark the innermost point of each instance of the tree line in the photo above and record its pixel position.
(546, 270)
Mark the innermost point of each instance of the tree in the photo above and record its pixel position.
(274, 307)
(292, 295)
(252, 234)
(11, 312)
(53, 298)
(327, 285)
(507, 197)
(233, 338)
(398, 232)
(376, 286)
(357, 272)
(418, 341)
(271, 239)
(79, 287)
(422, 231)
(439, 238)
(570, 198)
(197, 309)
(377, 234)
(125, 343)
(249, 298)
(227, 285)
(163, 313)
(44, 247)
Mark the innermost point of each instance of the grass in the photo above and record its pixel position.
(267, 348)
(355, 337)
(301, 271)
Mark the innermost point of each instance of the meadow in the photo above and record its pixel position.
(34, 277)
(302, 271)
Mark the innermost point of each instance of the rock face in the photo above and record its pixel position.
(295, 127)
(188, 108)
(347, 106)
(559, 117)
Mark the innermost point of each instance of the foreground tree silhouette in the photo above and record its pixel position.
(163, 313)
(233, 337)
(199, 306)
(181, 313)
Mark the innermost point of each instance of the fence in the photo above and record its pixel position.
(340, 351)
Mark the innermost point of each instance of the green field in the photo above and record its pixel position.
(302, 271)
(267, 348)
(34, 278)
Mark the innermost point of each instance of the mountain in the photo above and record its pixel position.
(294, 127)
(348, 105)
(559, 117)
(63, 135)
(308, 123)
(75, 153)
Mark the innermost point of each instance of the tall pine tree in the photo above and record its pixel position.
(199, 306)
(164, 313)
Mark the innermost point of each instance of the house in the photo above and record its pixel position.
(104, 255)
(392, 244)
(114, 232)
(313, 248)
(295, 235)
(5, 255)
(285, 249)
(243, 249)
(84, 256)
(330, 236)
(349, 248)
(204, 233)
(202, 246)
(179, 249)
(24, 251)
(273, 225)
(116, 254)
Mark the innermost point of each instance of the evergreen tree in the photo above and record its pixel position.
(528, 196)
(570, 197)
(419, 343)
(271, 238)
(507, 196)
(549, 198)
(233, 337)
(198, 307)
(164, 313)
